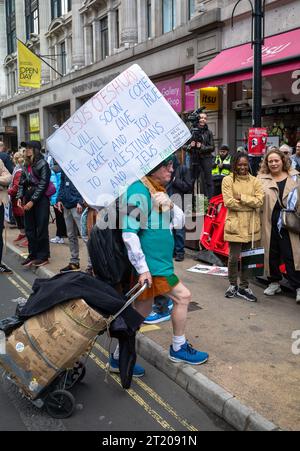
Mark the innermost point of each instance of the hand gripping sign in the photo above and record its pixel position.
(117, 137)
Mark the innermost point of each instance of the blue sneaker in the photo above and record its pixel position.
(155, 318)
(188, 354)
(113, 365)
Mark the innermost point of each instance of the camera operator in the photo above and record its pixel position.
(202, 146)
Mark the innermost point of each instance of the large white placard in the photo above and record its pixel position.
(117, 137)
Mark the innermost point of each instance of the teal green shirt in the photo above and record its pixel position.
(152, 227)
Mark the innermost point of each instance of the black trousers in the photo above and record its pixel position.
(281, 252)
(20, 222)
(36, 229)
(61, 229)
(217, 186)
(204, 165)
(1, 230)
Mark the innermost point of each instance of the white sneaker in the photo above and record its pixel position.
(273, 288)
(298, 296)
(55, 240)
(60, 241)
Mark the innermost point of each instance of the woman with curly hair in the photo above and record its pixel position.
(281, 245)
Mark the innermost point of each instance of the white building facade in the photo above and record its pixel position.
(89, 42)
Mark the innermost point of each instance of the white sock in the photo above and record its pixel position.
(116, 353)
(177, 342)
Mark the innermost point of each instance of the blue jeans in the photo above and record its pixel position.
(179, 237)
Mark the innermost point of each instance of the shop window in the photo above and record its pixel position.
(104, 37)
(11, 26)
(31, 17)
(169, 15)
(32, 132)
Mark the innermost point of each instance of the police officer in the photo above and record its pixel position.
(221, 168)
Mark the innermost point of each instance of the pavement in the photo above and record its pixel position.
(252, 378)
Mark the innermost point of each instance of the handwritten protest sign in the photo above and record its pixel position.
(117, 137)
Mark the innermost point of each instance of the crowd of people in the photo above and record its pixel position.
(156, 236)
(34, 184)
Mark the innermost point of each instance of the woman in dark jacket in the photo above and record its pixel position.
(32, 195)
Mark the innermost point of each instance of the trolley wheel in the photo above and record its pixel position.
(75, 375)
(60, 404)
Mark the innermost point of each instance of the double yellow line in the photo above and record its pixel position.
(131, 392)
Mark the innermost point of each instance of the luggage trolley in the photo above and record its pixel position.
(55, 397)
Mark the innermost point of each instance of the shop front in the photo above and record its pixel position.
(280, 109)
(231, 70)
(177, 94)
(56, 115)
(32, 126)
(8, 135)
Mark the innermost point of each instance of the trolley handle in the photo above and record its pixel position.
(132, 298)
(135, 288)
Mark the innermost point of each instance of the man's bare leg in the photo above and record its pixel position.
(181, 350)
(181, 297)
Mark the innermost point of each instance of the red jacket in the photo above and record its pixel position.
(13, 190)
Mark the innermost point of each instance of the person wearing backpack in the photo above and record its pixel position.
(150, 245)
(33, 196)
(71, 203)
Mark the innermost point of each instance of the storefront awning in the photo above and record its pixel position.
(281, 53)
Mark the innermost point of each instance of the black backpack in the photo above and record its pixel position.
(108, 255)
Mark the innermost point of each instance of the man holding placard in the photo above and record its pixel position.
(149, 240)
(116, 138)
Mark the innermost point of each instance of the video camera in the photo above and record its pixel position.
(194, 119)
(194, 116)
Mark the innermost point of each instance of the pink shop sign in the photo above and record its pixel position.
(172, 91)
(189, 96)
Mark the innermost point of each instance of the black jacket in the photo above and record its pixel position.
(205, 137)
(68, 194)
(32, 189)
(182, 184)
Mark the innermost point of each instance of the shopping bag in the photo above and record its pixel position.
(253, 261)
